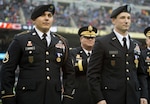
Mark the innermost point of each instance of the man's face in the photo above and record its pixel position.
(148, 41)
(87, 42)
(44, 22)
(122, 22)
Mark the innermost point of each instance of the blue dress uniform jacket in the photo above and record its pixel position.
(39, 80)
(112, 73)
(80, 61)
(145, 65)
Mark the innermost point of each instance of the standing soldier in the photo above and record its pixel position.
(145, 58)
(80, 56)
(40, 55)
(112, 72)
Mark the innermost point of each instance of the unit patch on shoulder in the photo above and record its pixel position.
(6, 59)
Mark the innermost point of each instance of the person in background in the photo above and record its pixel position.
(80, 56)
(41, 56)
(113, 75)
(145, 59)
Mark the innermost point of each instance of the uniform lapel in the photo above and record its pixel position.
(132, 45)
(115, 42)
(36, 39)
(54, 41)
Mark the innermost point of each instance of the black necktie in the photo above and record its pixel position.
(89, 54)
(125, 44)
(44, 39)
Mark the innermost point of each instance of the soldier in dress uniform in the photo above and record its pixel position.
(145, 58)
(113, 74)
(80, 57)
(40, 55)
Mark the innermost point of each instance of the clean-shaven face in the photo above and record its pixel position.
(44, 22)
(122, 22)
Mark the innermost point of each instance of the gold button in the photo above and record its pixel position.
(30, 52)
(113, 55)
(106, 88)
(128, 78)
(148, 63)
(47, 53)
(47, 69)
(127, 62)
(48, 77)
(127, 70)
(47, 61)
(127, 55)
(23, 88)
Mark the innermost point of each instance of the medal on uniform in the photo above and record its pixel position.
(30, 59)
(58, 59)
(136, 61)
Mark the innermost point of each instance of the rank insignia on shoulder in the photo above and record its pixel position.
(6, 59)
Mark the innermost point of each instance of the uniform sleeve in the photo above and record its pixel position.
(93, 72)
(142, 74)
(8, 68)
(68, 78)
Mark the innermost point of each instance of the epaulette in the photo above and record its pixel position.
(24, 32)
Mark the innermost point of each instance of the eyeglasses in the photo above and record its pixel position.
(88, 37)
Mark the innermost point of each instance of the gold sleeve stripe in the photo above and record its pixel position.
(68, 96)
(80, 65)
(7, 96)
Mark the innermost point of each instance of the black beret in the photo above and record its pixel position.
(88, 31)
(39, 10)
(117, 11)
(147, 31)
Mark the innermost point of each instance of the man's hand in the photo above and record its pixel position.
(143, 101)
(102, 102)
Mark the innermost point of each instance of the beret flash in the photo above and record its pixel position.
(88, 31)
(117, 11)
(147, 31)
(39, 10)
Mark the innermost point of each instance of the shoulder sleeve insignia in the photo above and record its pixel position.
(6, 59)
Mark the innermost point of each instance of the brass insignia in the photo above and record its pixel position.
(113, 62)
(30, 59)
(58, 59)
(136, 61)
(51, 7)
(148, 70)
(90, 28)
(6, 59)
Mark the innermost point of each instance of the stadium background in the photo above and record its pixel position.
(69, 17)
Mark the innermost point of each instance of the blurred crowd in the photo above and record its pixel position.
(75, 15)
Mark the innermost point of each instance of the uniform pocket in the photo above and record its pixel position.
(26, 85)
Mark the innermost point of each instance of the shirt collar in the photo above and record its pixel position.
(86, 51)
(120, 37)
(41, 33)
